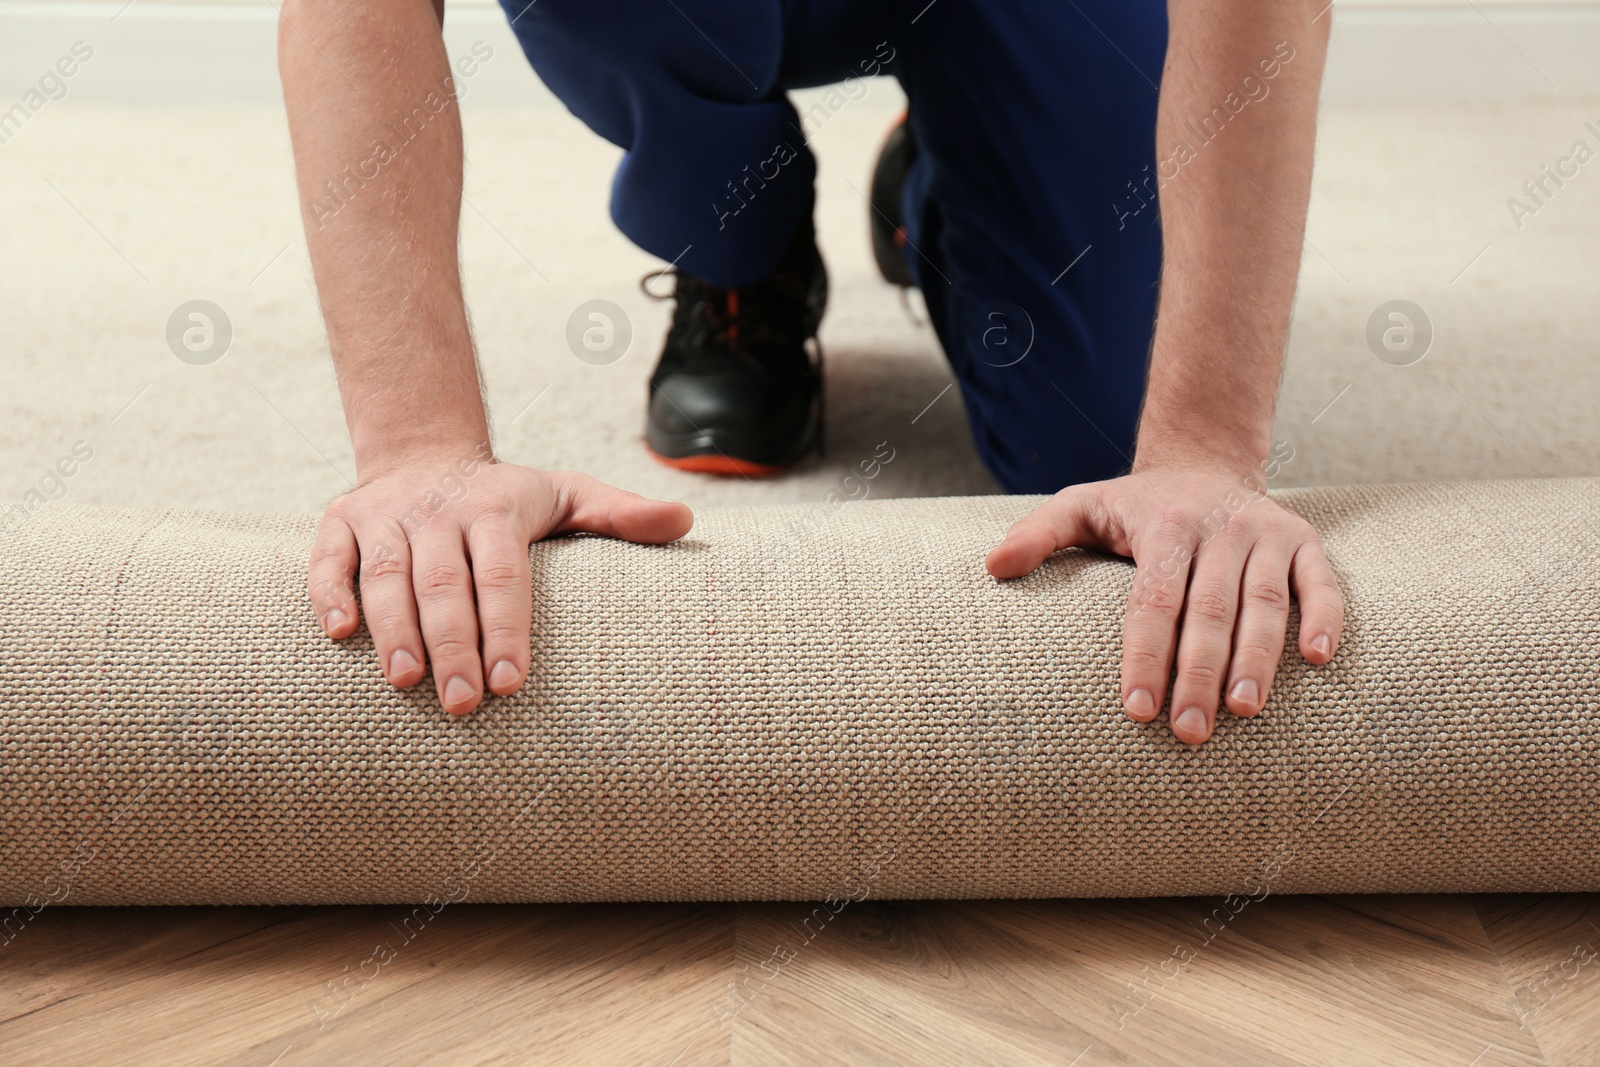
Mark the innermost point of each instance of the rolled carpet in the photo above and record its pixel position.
(797, 703)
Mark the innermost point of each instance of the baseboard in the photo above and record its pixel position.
(223, 51)
(199, 52)
(1462, 49)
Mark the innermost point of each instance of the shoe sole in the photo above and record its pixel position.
(726, 454)
(718, 464)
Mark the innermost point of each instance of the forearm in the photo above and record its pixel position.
(1235, 135)
(377, 143)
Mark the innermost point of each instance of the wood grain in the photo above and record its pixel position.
(1283, 981)
(475, 985)
(1549, 948)
(1314, 981)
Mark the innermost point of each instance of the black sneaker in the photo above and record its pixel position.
(888, 224)
(737, 391)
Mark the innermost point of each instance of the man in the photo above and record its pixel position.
(1024, 186)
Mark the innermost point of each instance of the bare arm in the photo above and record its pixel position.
(438, 530)
(1216, 558)
(1232, 220)
(377, 142)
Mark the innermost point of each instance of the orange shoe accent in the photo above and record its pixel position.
(716, 463)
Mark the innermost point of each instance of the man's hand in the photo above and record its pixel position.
(438, 531)
(441, 547)
(1216, 560)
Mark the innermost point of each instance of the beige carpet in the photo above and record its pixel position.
(798, 703)
(153, 731)
(117, 216)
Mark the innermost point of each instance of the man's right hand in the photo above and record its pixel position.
(437, 531)
(441, 548)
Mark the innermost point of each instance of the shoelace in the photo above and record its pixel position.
(734, 323)
(742, 321)
(738, 320)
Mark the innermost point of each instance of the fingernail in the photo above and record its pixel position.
(1245, 691)
(333, 620)
(1190, 726)
(1321, 644)
(1140, 705)
(401, 663)
(457, 691)
(503, 675)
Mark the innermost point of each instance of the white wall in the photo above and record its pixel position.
(1463, 49)
(216, 51)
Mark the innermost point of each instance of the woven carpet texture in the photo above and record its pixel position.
(801, 702)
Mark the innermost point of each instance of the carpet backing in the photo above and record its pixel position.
(797, 702)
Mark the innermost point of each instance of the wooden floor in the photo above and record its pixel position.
(1465, 981)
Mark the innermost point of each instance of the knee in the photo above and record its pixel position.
(1054, 433)
(1053, 389)
(1048, 463)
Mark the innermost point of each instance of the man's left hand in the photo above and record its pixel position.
(1217, 559)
